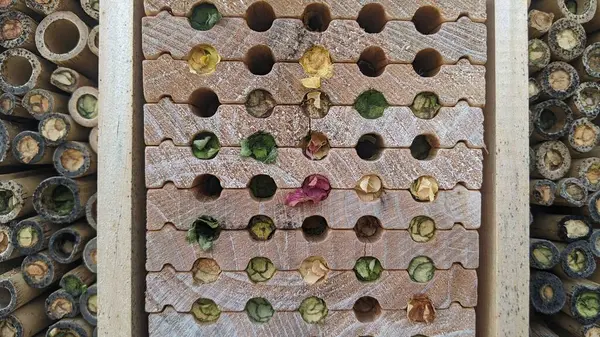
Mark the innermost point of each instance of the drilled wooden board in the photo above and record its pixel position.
(288, 39)
(455, 321)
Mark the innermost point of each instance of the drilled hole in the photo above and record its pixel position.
(260, 103)
(427, 20)
(61, 36)
(369, 146)
(261, 227)
(315, 228)
(367, 309)
(427, 63)
(316, 146)
(259, 310)
(206, 145)
(426, 105)
(262, 186)
(368, 269)
(372, 18)
(368, 229)
(422, 228)
(316, 17)
(207, 187)
(316, 104)
(206, 271)
(204, 16)
(260, 16)
(259, 60)
(314, 269)
(205, 101)
(16, 70)
(422, 147)
(372, 62)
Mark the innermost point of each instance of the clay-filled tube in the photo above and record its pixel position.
(57, 128)
(32, 235)
(582, 137)
(22, 71)
(70, 327)
(587, 170)
(17, 30)
(547, 293)
(90, 256)
(552, 120)
(576, 260)
(47, 7)
(10, 105)
(62, 38)
(75, 160)
(16, 292)
(92, 8)
(558, 80)
(535, 90)
(583, 300)
(539, 23)
(91, 210)
(570, 192)
(26, 321)
(566, 39)
(94, 139)
(40, 270)
(15, 5)
(581, 11)
(538, 55)
(63, 200)
(543, 254)
(60, 304)
(30, 148)
(16, 192)
(67, 244)
(69, 80)
(40, 102)
(566, 228)
(77, 280)
(94, 39)
(83, 106)
(588, 65)
(571, 325)
(88, 303)
(552, 160)
(586, 101)
(542, 192)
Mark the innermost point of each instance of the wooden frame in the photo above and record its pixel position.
(504, 272)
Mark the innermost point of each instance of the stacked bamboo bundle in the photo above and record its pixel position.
(48, 163)
(564, 92)
(310, 169)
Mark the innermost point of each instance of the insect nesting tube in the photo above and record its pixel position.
(10, 105)
(15, 291)
(75, 159)
(30, 148)
(552, 119)
(40, 102)
(83, 106)
(62, 200)
(584, 300)
(57, 128)
(71, 327)
(33, 234)
(570, 192)
(543, 254)
(22, 71)
(67, 244)
(61, 304)
(566, 39)
(88, 304)
(547, 295)
(69, 80)
(40, 270)
(566, 228)
(576, 260)
(552, 160)
(17, 30)
(26, 321)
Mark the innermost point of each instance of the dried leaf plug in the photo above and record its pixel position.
(420, 309)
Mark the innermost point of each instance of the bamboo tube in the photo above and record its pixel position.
(552, 160)
(583, 298)
(7, 248)
(538, 55)
(88, 303)
(547, 294)
(566, 39)
(571, 325)
(40, 270)
(10, 105)
(583, 136)
(94, 38)
(62, 38)
(57, 128)
(542, 192)
(558, 80)
(70, 327)
(91, 212)
(77, 280)
(8, 132)
(570, 192)
(90, 256)
(47, 7)
(531, 128)
(22, 71)
(41, 102)
(543, 254)
(16, 191)
(587, 170)
(69, 80)
(67, 244)
(94, 139)
(83, 106)
(13, 284)
(540, 329)
(17, 30)
(92, 8)
(576, 260)
(588, 65)
(62, 200)
(539, 23)
(9, 265)
(30, 148)
(585, 9)
(566, 228)
(33, 235)
(75, 160)
(26, 321)
(60, 304)
(586, 101)
(552, 120)
(15, 5)
(594, 242)
(592, 208)
(535, 90)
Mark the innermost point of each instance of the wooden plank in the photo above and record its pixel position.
(287, 249)
(455, 321)
(288, 39)
(232, 82)
(341, 210)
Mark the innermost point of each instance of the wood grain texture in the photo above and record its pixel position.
(396, 167)
(450, 10)
(232, 82)
(455, 321)
(341, 209)
(343, 125)
(286, 290)
(288, 39)
(287, 249)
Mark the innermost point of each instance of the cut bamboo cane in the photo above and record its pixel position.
(83, 106)
(62, 38)
(594, 241)
(535, 90)
(69, 80)
(558, 80)
(539, 55)
(47, 7)
(587, 170)
(26, 321)
(547, 294)
(566, 228)
(583, 297)
(70, 327)
(552, 160)
(91, 8)
(552, 119)
(67, 244)
(90, 256)
(7, 248)
(576, 260)
(571, 325)
(586, 101)
(60, 304)
(570, 192)
(41, 102)
(75, 160)
(584, 9)
(91, 212)
(543, 254)
(542, 192)
(16, 191)
(17, 30)
(540, 329)
(40, 270)
(582, 136)
(9, 265)
(32, 235)
(57, 128)
(22, 71)
(62, 200)
(15, 5)
(566, 39)
(30, 148)
(93, 140)
(588, 65)
(592, 208)
(539, 23)
(8, 132)
(10, 105)
(88, 302)
(94, 38)
(19, 292)
(77, 280)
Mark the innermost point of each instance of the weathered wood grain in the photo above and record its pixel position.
(286, 290)
(288, 39)
(449, 10)
(396, 167)
(343, 126)
(232, 82)
(453, 322)
(341, 209)
(287, 249)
